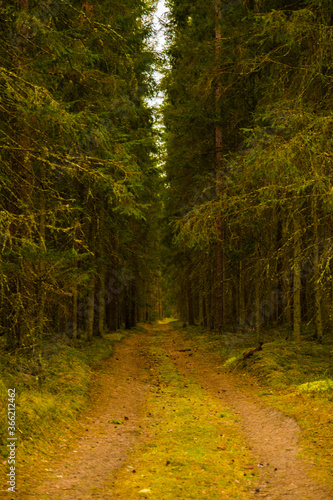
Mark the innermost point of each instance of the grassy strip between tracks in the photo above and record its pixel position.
(196, 449)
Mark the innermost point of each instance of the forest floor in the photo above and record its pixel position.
(166, 421)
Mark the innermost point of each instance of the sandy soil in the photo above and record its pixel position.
(119, 392)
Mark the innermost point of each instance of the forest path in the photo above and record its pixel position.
(125, 388)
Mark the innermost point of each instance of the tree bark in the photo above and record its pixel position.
(133, 306)
(112, 312)
(127, 311)
(219, 294)
(317, 287)
(241, 298)
(91, 308)
(297, 316)
(279, 308)
(204, 303)
(190, 308)
(75, 297)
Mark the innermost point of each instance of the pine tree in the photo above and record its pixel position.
(77, 147)
(271, 124)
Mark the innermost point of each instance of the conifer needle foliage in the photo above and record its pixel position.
(77, 174)
(248, 117)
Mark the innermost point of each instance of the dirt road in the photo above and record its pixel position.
(116, 425)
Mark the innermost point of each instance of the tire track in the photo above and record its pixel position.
(273, 437)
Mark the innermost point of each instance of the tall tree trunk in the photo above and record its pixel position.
(102, 252)
(219, 294)
(75, 300)
(127, 310)
(101, 305)
(287, 279)
(241, 297)
(41, 292)
(133, 307)
(190, 306)
(204, 301)
(91, 307)
(92, 283)
(210, 293)
(279, 308)
(317, 287)
(111, 316)
(297, 311)
(257, 293)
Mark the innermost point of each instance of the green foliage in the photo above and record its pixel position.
(283, 364)
(77, 172)
(261, 76)
(66, 372)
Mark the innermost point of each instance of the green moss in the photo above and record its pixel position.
(231, 362)
(317, 386)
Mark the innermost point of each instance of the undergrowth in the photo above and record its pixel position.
(52, 388)
(280, 364)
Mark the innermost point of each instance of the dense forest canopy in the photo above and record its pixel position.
(236, 230)
(191, 184)
(79, 182)
(248, 117)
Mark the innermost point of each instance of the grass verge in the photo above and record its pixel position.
(195, 450)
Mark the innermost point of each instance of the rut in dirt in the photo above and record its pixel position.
(272, 436)
(118, 394)
(120, 391)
